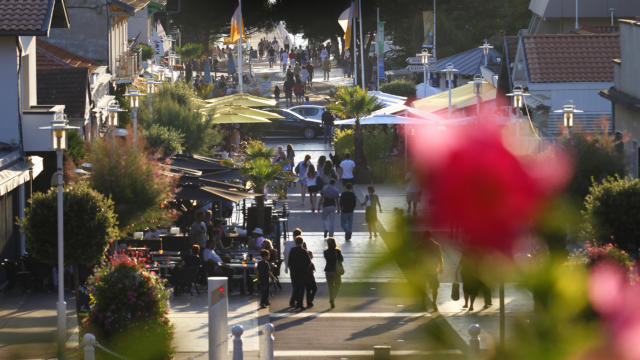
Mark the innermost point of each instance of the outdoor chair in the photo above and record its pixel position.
(186, 278)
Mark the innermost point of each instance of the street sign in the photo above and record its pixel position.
(416, 68)
(414, 60)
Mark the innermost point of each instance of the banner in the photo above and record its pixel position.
(380, 48)
(427, 18)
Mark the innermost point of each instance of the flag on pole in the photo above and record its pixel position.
(237, 25)
(344, 21)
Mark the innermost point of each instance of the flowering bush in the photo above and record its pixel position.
(593, 254)
(129, 310)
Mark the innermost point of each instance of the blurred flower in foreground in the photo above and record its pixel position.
(615, 299)
(477, 185)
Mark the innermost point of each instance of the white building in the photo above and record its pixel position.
(20, 113)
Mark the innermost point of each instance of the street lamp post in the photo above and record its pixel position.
(567, 112)
(485, 51)
(161, 74)
(134, 96)
(518, 102)
(477, 89)
(424, 58)
(449, 71)
(151, 88)
(59, 126)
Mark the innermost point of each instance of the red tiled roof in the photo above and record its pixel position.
(66, 86)
(571, 57)
(50, 56)
(31, 17)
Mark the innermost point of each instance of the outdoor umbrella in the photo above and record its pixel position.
(384, 119)
(244, 110)
(241, 99)
(236, 118)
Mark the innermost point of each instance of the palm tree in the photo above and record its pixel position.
(355, 103)
(258, 173)
(188, 53)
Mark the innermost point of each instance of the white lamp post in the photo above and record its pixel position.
(424, 57)
(58, 128)
(134, 97)
(151, 88)
(161, 74)
(567, 116)
(485, 51)
(477, 89)
(449, 71)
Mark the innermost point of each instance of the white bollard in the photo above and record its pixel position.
(474, 340)
(88, 340)
(266, 353)
(237, 342)
(218, 326)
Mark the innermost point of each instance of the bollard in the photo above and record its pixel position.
(237, 342)
(266, 352)
(381, 352)
(88, 340)
(474, 340)
(218, 326)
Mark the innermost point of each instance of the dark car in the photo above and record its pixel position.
(292, 125)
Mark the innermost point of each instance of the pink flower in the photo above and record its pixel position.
(477, 185)
(615, 299)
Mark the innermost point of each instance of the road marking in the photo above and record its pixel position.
(368, 353)
(283, 315)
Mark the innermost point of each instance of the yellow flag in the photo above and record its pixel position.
(237, 25)
(344, 21)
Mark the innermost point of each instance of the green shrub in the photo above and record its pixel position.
(164, 139)
(343, 141)
(89, 225)
(75, 148)
(131, 177)
(612, 213)
(128, 312)
(595, 159)
(147, 51)
(175, 107)
(399, 87)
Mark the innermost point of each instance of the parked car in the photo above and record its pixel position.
(292, 124)
(309, 111)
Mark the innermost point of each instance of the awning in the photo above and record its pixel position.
(461, 97)
(207, 193)
(19, 173)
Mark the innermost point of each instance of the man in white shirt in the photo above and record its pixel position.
(209, 254)
(348, 166)
(284, 57)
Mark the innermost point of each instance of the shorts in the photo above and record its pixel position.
(313, 189)
(347, 181)
(272, 59)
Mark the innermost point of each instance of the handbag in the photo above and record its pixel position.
(455, 291)
(339, 267)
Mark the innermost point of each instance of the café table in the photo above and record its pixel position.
(244, 267)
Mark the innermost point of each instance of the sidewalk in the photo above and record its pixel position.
(28, 325)
(517, 301)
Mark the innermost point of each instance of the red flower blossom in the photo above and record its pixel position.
(477, 185)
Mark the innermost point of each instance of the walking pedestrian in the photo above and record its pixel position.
(326, 69)
(272, 56)
(276, 94)
(314, 184)
(413, 193)
(288, 92)
(435, 266)
(333, 269)
(310, 287)
(300, 265)
(347, 205)
(284, 58)
(310, 78)
(327, 124)
(288, 245)
(370, 213)
(301, 170)
(265, 274)
(329, 199)
(198, 232)
(347, 166)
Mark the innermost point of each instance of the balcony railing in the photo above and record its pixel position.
(128, 65)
